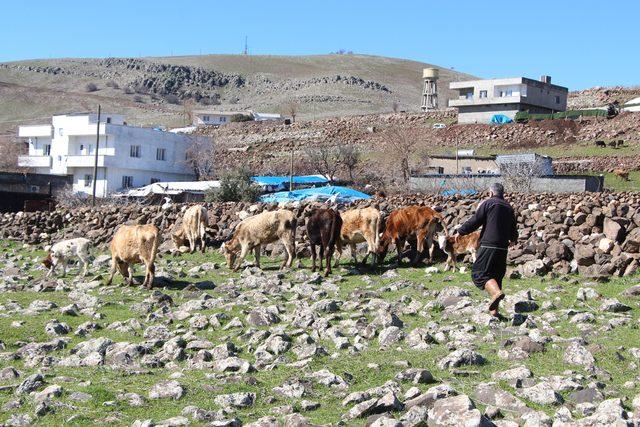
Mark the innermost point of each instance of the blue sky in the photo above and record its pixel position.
(580, 43)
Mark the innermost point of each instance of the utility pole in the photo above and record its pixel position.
(246, 46)
(95, 161)
(457, 169)
(291, 171)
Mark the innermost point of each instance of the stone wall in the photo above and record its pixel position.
(596, 234)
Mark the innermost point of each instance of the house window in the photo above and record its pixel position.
(501, 94)
(206, 118)
(483, 94)
(557, 99)
(469, 95)
(47, 150)
(127, 181)
(88, 180)
(223, 119)
(509, 92)
(81, 148)
(154, 180)
(108, 119)
(135, 151)
(160, 153)
(60, 132)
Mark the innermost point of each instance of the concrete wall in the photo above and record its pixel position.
(549, 184)
(483, 113)
(449, 164)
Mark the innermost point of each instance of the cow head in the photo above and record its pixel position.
(382, 248)
(442, 241)
(47, 261)
(229, 253)
(179, 239)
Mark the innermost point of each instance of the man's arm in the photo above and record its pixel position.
(474, 222)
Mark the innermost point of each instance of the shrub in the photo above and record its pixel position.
(172, 99)
(211, 100)
(112, 84)
(91, 87)
(128, 90)
(138, 98)
(235, 186)
(241, 118)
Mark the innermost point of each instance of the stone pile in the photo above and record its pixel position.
(595, 234)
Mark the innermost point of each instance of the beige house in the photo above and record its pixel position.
(462, 165)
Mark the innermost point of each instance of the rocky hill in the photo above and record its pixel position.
(152, 90)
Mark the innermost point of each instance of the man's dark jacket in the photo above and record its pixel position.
(498, 221)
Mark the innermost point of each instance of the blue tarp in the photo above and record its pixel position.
(463, 192)
(277, 181)
(500, 119)
(332, 192)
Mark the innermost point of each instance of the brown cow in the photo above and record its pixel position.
(323, 229)
(418, 221)
(193, 229)
(255, 231)
(360, 225)
(454, 246)
(134, 244)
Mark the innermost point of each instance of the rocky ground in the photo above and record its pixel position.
(396, 346)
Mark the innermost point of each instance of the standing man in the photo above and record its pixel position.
(499, 229)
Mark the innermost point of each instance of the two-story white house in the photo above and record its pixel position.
(479, 100)
(128, 156)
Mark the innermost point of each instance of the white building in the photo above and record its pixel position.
(479, 100)
(128, 156)
(217, 118)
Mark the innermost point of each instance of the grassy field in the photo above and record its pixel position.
(369, 368)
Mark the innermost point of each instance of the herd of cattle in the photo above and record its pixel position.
(327, 230)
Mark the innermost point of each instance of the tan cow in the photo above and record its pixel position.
(134, 244)
(193, 229)
(255, 231)
(457, 245)
(358, 226)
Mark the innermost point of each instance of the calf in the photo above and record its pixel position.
(457, 245)
(62, 251)
(360, 225)
(193, 229)
(264, 228)
(323, 229)
(134, 244)
(622, 174)
(420, 221)
(601, 144)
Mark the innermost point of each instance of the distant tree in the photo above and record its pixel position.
(291, 109)
(172, 99)
(235, 186)
(201, 157)
(210, 100)
(241, 118)
(138, 98)
(91, 87)
(398, 144)
(10, 149)
(188, 108)
(112, 84)
(395, 106)
(129, 90)
(325, 159)
(350, 157)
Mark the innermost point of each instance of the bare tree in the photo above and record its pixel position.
(519, 174)
(201, 156)
(326, 160)
(10, 149)
(188, 107)
(291, 109)
(398, 144)
(350, 157)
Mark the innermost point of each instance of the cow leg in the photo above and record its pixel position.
(328, 262)
(313, 257)
(473, 255)
(336, 264)
(192, 243)
(64, 266)
(256, 254)
(420, 236)
(52, 268)
(430, 246)
(354, 253)
(149, 275)
(399, 247)
(114, 267)
(129, 269)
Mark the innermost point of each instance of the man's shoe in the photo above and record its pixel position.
(495, 293)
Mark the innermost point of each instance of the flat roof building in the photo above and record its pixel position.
(479, 100)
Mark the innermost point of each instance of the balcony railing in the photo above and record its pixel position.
(87, 161)
(34, 161)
